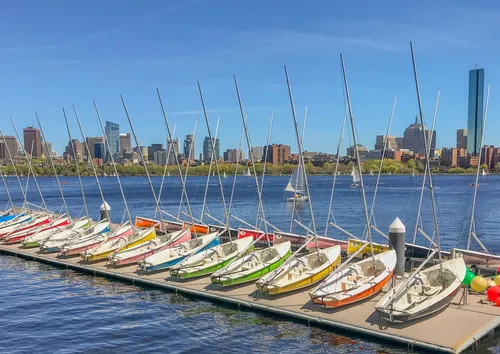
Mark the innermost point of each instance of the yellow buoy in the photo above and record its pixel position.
(490, 283)
(478, 284)
(497, 280)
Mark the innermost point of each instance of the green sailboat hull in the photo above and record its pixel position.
(32, 244)
(251, 276)
(195, 273)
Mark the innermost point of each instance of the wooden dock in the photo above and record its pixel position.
(454, 330)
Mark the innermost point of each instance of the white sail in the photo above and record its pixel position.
(168, 174)
(248, 174)
(371, 172)
(296, 183)
(483, 173)
(355, 176)
(225, 176)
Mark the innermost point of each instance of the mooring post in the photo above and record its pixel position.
(397, 232)
(105, 209)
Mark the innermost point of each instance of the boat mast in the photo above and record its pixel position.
(295, 201)
(335, 172)
(301, 159)
(214, 156)
(472, 226)
(252, 160)
(106, 141)
(265, 162)
(91, 160)
(236, 172)
(386, 143)
(7, 189)
(427, 143)
(157, 203)
(76, 164)
(358, 161)
(30, 166)
(164, 173)
(208, 177)
(183, 182)
(53, 168)
(419, 217)
(187, 166)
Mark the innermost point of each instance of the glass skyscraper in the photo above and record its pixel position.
(475, 116)
(112, 131)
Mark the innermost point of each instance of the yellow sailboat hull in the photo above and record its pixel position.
(103, 255)
(302, 283)
(354, 245)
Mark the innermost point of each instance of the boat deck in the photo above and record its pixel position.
(455, 329)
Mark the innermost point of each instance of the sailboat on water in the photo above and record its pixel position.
(224, 175)
(483, 173)
(413, 175)
(371, 173)
(248, 174)
(355, 177)
(296, 185)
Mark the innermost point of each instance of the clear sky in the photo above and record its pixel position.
(56, 53)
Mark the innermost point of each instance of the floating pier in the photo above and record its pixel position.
(457, 328)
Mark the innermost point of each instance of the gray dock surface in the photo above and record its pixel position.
(453, 330)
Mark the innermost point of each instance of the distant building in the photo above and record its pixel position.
(233, 155)
(277, 154)
(257, 153)
(152, 149)
(125, 144)
(189, 147)
(451, 157)
(487, 156)
(173, 150)
(47, 149)
(8, 145)
(462, 139)
(475, 111)
(112, 131)
(91, 141)
(142, 150)
(362, 150)
(207, 149)
(99, 150)
(401, 143)
(79, 149)
(391, 142)
(32, 141)
(160, 157)
(414, 140)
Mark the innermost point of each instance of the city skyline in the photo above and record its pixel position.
(111, 46)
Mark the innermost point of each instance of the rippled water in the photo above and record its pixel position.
(46, 309)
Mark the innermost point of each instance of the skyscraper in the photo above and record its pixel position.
(475, 114)
(112, 131)
(152, 149)
(47, 149)
(189, 144)
(32, 141)
(257, 153)
(391, 142)
(91, 142)
(414, 140)
(8, 145)
(462, 139)
(234, 156)
(173, 151)
(125, 144)
(207, 149)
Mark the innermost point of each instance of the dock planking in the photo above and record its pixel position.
(453, 330)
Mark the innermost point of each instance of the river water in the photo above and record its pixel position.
(46, 309)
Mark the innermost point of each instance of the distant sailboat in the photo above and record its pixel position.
(248, 174)
(224, 175)
(213, 174)
(371, 173)
(413, 175)
(105, 175)
(297, 185)
(355, 177)
(168, 174)
(483, 173)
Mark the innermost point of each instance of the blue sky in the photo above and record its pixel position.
(55, 53)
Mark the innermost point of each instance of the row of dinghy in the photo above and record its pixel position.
(274, 268)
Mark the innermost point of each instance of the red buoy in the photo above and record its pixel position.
(493, 293)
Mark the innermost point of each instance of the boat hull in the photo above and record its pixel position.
(189, 274)
(225, 281)
(354, 245)
(23, 235)
(166, 265)
(299, 240)
(242, 233)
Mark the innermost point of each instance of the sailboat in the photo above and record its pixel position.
(168, 174)
(371, 173)
(427, 291)
(353, 282)
(224, 175)
(296, 185)
(413, 175)
(248, 174)
(355, 177)
(483, 173)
